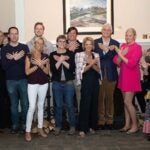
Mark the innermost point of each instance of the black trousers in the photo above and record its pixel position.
(118, 109)
(88, 115)
(4, 102)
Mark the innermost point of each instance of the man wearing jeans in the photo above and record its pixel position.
(13, 62)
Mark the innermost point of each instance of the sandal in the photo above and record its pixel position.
(132, 132)
(124, 129)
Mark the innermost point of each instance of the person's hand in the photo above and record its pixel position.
(124, 51)
(44, 61)
(56, 57)
(97, 60)
(37, 62)
(18, 55)
(67, 57)
(144, 64)
(92, 61)
(111, 47)
(62, 58)
(9, 56)
(72, 46)
(103, 47)
(117, 49)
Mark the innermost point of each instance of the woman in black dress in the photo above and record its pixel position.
(87, 74)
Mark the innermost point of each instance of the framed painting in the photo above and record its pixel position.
(88, 16)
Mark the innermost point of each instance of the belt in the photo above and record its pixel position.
(63, 81)
(67, 82)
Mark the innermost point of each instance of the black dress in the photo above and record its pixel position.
(4, 100)
(89, 100)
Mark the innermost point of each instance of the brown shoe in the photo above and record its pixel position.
(28, 136)
(42, 133)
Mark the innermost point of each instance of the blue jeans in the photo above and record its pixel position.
(17, 90)
(64, 92)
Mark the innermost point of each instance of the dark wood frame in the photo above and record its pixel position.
(87, 33)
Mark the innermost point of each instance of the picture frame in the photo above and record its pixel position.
(88, 16)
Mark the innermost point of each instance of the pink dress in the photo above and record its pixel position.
(129, 77)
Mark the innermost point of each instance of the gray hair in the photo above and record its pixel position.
(107, 25)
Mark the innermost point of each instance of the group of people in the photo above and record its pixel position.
(87, 72)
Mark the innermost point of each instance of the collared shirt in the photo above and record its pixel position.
(106, 44)
(80, 61)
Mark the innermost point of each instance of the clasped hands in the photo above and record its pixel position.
(106, 48)
(121, 51)
(92, 62)
(61, 58)
(39, 62)
(15, 55)
(72, 46)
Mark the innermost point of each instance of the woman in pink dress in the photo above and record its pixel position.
(129, 78)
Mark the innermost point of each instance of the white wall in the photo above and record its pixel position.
(131, 13)
(126, 14)
(7, 14)
(47, 11)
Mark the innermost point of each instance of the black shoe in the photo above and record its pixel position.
(22, 129)
(1, 131)
(14, 130)
(101, 127)
(71, 131)
(110, 126)
(57, 131)
(148, 138)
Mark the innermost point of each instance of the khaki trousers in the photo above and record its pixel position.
(106, 104)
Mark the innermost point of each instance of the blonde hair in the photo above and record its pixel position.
(87, 39)
(36, 40)
(132, 30)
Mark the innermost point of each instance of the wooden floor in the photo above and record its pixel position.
(102, 140)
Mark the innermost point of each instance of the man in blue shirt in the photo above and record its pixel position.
(13, 62)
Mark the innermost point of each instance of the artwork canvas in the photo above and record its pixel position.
(88, 16)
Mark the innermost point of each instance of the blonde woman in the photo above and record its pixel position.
(128, 59)
(87, 74)
(37, 69)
